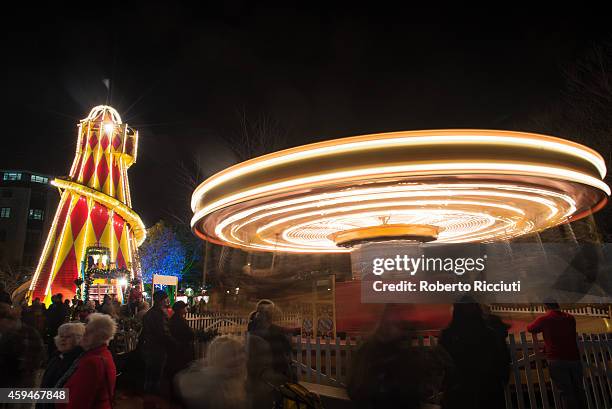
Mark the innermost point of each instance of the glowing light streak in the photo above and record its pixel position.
(404, 139)
(110, 202)
(50, 238)
(412, 170)
(508, 198)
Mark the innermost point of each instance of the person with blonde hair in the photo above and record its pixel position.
(91, 379)
(219, 382)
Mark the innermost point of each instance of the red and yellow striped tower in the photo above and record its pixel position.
(95, 207)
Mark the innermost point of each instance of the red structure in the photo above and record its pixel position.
(94, 210)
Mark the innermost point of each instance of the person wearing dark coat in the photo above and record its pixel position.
(277, 340)
(388, 371)
(67, 341)
(21, 350)
(480, 361)
(269, 358)
(39, 312)
(182, 353)
(156, 342)
(56, 315)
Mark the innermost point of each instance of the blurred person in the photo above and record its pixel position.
(268, 358)
(201, 309)
(156, 342)
(480, 361)
(263, 327)
(117, 311)
(55, 316)
(78, 307)
(21, 350)
(220, 381)
(388, 371)
(500, 329)
(108, 306)
(88, 308)
(67, 341)
(182, 353)
(5, 297)
(69, 310)
(143, 307)
(27, 314)
(562, 354)
(135, 297)
(39, 312)
(91, 379)
(495, 322)
(261, 305)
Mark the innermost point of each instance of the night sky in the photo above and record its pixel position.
(181, 76)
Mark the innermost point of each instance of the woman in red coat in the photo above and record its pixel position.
(91, 380)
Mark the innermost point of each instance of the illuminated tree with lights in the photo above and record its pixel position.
(163, 253)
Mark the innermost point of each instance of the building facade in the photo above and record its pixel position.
(27, 205)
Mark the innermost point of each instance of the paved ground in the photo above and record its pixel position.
(125, 400)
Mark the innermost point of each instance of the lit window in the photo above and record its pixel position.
(39, 179)
(36, 214)
(12, 176)
(5, 212)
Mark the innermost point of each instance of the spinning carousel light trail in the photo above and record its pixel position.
(472, 185)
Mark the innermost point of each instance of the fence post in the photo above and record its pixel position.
(540, 371)
(600, 372)
(308, 360)
(587, 378)
(318, 359)
(518, 383)
(607, 355)
(527, 362)
(299, 357)
(328, 371)
(338, 361)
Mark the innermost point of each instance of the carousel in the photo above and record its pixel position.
(399, 192)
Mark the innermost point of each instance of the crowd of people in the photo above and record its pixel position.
(235, 374)
(469, 367)
(64, 345)
(67, 346)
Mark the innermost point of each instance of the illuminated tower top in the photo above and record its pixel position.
(102, 135)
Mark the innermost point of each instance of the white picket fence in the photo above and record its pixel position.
(327, 362)
(235, 325)
(588, 311)
(530, 385)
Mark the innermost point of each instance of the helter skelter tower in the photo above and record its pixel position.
(95, 208)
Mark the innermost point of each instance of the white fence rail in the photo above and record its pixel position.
(328, 361)
(234, 325)
(539, 309)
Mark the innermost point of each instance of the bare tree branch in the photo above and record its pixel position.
(255, 137)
